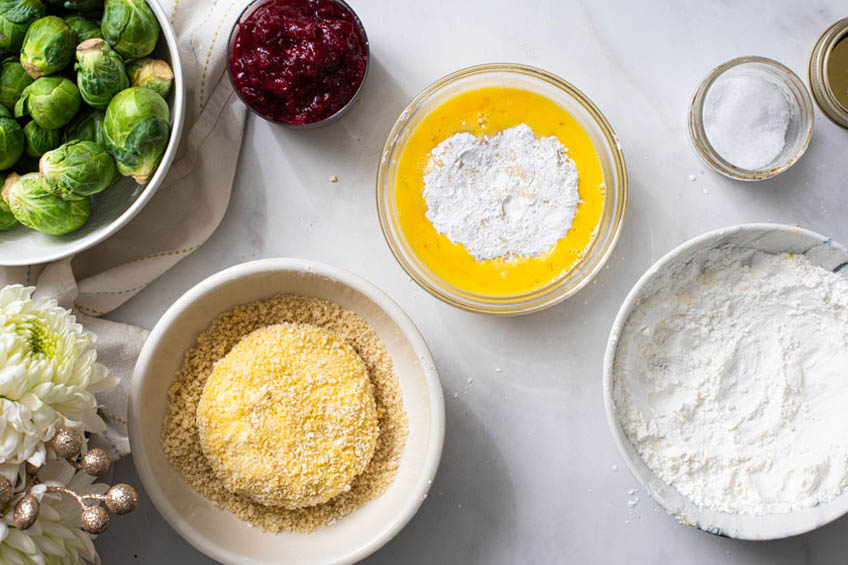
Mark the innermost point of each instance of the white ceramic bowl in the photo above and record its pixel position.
(114, 207)
(772, 238)
(218, 533)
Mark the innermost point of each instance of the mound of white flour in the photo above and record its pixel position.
(510, 194)
(731, 380)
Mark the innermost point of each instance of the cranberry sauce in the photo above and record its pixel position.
(298, 61)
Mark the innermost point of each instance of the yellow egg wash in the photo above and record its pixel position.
(487, 111)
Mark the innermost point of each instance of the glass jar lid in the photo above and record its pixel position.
(829, 72)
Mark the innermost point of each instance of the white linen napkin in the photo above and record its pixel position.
(179, 218)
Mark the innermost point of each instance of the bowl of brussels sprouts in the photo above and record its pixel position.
(91, 110)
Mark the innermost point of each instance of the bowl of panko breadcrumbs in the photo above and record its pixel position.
(286, 411)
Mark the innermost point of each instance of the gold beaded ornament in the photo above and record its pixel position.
(120, 499)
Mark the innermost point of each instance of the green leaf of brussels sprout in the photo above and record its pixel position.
(13, 80)
(11, 142)
(100, 73)
(36, 207)
(22, 11)
(39, 140)
(15, 18)
(85, 28)
(48, 46)
(51, 101)
(5, 113)
(7, 219)
(77, 169)
(11, 35)
(154, 74)
(86, 126)
(130, 27)
(136, 129)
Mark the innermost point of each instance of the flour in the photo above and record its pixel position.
(507, 195)
(731, 380)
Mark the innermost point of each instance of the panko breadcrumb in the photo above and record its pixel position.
(287, 417)
(180, 438)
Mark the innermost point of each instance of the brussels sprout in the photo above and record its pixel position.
(22, 11)
(86, 126)
(13, 80)
(11, 142)
(7, 219)
(100, 73)
(11, 35)
(51, 101)
(15, 17)
(5, 113)
(130, 27)
(154, 74)
(84, 28)
(136, 130)
(48, 46)
(77, 170)
(39, 140)
(36, 207)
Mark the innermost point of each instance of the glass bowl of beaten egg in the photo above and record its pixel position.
(485, 100)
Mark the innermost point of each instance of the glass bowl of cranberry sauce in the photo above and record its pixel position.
(299, 63)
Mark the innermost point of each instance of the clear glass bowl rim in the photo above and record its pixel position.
(559, 289)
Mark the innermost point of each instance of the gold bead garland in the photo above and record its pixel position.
(67, 443)
(95, 520)
(95, 462)
(7, 490)
(120, 499)
(26, 512)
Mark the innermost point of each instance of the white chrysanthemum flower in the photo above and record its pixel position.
(56, 537)
(48, 377)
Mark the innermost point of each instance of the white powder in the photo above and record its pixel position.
(511, 194)
(746, 117)
(731, 380)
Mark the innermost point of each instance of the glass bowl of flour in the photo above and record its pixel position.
(725, 383)
(751, 118)
(439, 278)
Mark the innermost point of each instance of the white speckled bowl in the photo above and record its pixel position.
(218, 533)
(772, 238)
(114, 207)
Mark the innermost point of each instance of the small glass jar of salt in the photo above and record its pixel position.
(751, 118)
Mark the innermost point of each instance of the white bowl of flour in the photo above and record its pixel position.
(726, 381)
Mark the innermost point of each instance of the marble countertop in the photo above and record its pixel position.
(530, 473)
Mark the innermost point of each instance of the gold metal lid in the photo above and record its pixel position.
(819, 78)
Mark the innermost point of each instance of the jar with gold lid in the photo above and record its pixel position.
(829, 72)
